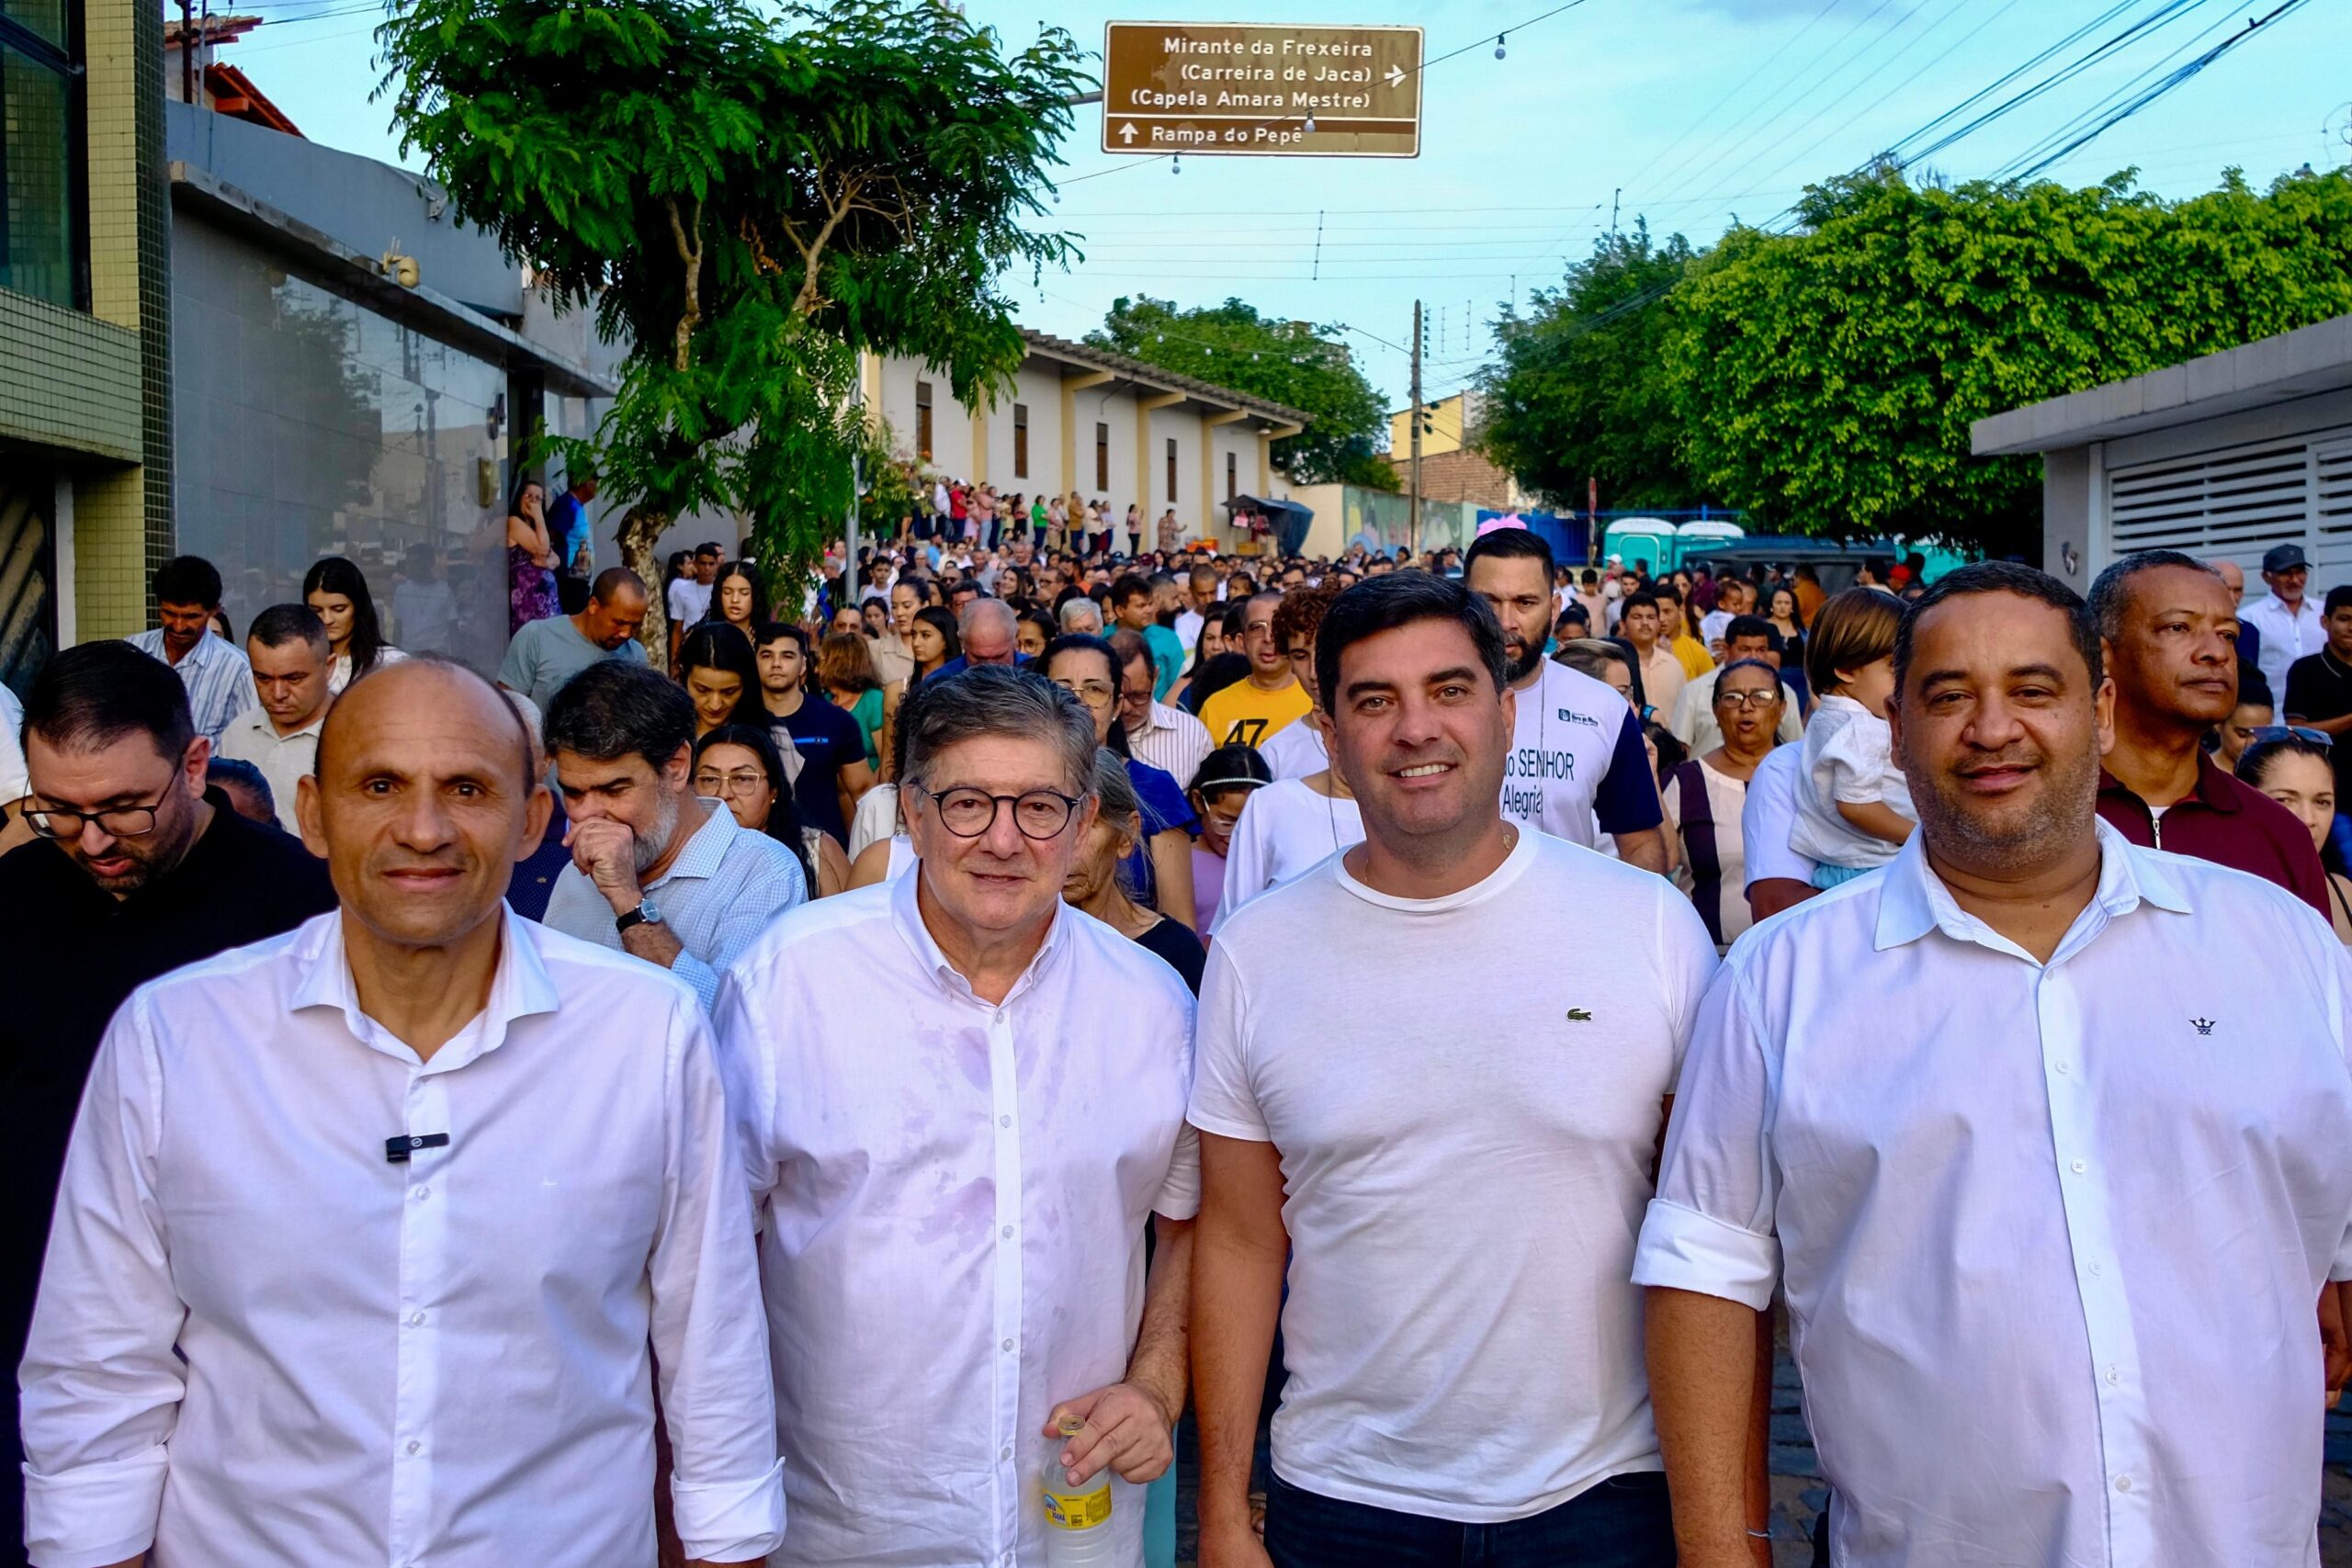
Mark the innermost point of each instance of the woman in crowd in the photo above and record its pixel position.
(1607, 661)
(336, 589)
(1159, 871)
(716, 668)
(737, 598)
(1096, 883)
(530, 559)
(875, 613)
(845, 669)
(933, 642)
(2254, 711)
(1780, 608)
(2292, 767)
(1034, 631)
(737, 764)
(1134, 531)
(1221, 786)
(1704, 797)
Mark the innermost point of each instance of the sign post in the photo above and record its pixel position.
(1250, 89)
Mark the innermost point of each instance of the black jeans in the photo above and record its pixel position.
(1621, 1523)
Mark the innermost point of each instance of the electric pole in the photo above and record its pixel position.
(1413, 519)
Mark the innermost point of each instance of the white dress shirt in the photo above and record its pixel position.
(219, 680)
(1174, 742)
(1768, 817)
(259, 1342)
(953, 1197)
(724, 886)
(2287, 635)
(339, 672)
(282, 759)
(2052, 1234)
(1295, 752)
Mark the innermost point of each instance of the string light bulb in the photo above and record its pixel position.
(1175, 163)
(1499, 45)
(1310, 122)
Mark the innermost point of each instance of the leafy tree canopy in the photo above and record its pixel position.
(1826, 380)
(1292, 363)
(748, 198)
(1580, 389)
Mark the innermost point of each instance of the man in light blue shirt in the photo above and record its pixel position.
(220, 683)
(655, 871)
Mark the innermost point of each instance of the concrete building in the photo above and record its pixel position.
(1084, 418)
(85, 394)
(1451, 469)
(2222, 457)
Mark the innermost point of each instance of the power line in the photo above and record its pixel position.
(2100, 106)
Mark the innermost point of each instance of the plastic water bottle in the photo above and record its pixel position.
(1077, 1519)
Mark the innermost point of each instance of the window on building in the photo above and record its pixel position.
(1172, 470)
(922, 420)
(1021, 441)
(1102, 458)
(41, 206)
(1232, 477)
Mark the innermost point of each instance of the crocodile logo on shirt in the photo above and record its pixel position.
(1579, 1015)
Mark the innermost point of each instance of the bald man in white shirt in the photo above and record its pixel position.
(2052, 1189)
(367, 1231)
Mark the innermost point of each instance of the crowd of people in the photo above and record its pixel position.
(1512, 982)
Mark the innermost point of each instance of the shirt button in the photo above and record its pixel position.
(414, 1446)
(416, 1320)
(1007, 1453)
(2078, 1168)
(2094, 1270)
(2124, 1484)
(2113, 1376)
(1008, 1344)
(1008, 1233)
(2062, 1067)
(1004, 1121)
(421, 1193)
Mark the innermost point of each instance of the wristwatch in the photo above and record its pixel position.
(645, 914)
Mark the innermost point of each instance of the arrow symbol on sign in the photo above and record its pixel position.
(1396, 75)
(1127, 132)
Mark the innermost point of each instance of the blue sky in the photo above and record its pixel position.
(1695, 110)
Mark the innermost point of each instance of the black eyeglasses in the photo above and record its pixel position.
(968, 813)
(2263, 732)
(116, 823)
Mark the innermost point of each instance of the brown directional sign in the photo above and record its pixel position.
(1261, 89)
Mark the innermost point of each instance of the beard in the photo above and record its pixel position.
(651, 846)
(2013, 834)
(1520, 665)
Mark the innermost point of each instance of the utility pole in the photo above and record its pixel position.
(188, 51)
(851, 584)
(1413, 519)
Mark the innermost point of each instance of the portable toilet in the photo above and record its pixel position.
(1650, 539)
(1703, 533)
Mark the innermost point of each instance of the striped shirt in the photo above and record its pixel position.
(724, 886)
(1176, 743)
(220, 682)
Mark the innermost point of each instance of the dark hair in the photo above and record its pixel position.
(611, 580)
(1376, 605)
(1634, 600)
(784, 824)
(724, 648)
(1671, 753)
(1992, 576)
(1301, 612)
(245, 776)
(515, 499)
(750, 573)
(2112, 588)
(943, 621)
(1752, 626)
(1510, 543)
(189, 580)
(1128, 586)
(1042, 620)
(1079, 642)
(1749, 664)
(1234, 619)
(766, 632)
(2337, 598)
(1857, 627)
(88, 697)
(2254, 688)
(2255, 760)
(616, 708)
(282, 624)
(1228, 766)
(333, 574)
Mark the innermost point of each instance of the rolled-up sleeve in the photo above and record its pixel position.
(1709, 1230)
(101, 1381)
(709, 1327)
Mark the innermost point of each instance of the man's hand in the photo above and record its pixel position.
(1122, 1426)
(606, 852)
(2335, 1340)
(1232, 1545)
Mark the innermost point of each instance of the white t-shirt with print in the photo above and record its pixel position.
(1467, 1164)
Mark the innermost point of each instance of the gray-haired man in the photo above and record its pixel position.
(949, 1151)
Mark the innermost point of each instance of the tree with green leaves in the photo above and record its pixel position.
(1299, 365)
(1826, 380)
(1580, 389)
(748, 198)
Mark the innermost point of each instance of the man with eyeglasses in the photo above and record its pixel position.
(2169, 633)
(136, 868)
(960, 1101)
(1168, 739)
(1258, 706)
(656, 871)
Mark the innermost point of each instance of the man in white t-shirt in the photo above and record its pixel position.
(1577, 767)
(1451, 1177)
(689, 598)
